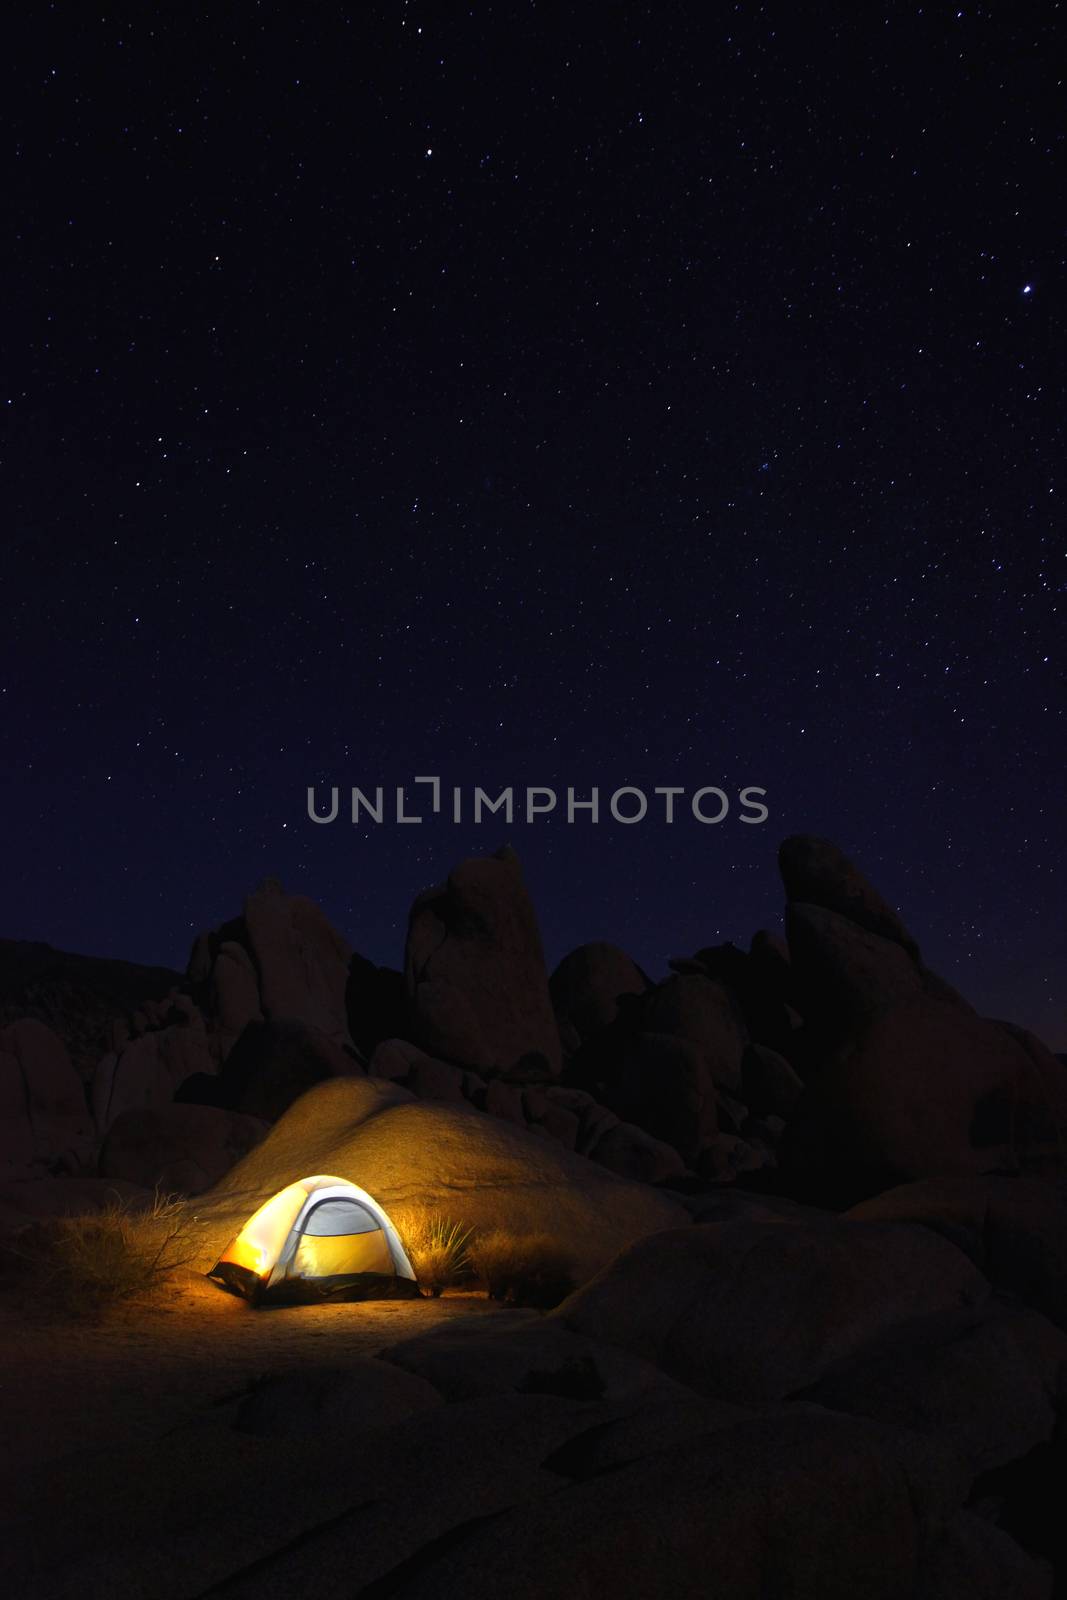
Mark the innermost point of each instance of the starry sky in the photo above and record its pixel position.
(637, 394)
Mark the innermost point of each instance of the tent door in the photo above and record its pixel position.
(340, 1238)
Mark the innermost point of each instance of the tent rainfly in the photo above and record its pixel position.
(320, 1238)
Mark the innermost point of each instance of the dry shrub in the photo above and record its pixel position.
(525, 1269)
(91, 1260)
(438, 1249)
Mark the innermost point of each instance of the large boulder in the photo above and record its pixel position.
(569, 1116)
(207, 1507)
(845, 974)
(542, 1493)
(703, 1011)
(301, 959)
(280, 960)
(817, 873)
(666, 1086)
(428, 1078)
(521, 1351)
(314, 1402)
(759, 984)
(150, 1069)
(422, 1157)
(757, 1310)
(585, 1124)
(990, 1387)
(86, 1000)
(812, 1505)
(44, 1119)
(475, 972)
(924, 1090)
(274, 1063)
(769, 1085)
(665, 1065)
(587, 985)
(852, 961)
(1013, 1228)
(180, 1149)
(904, 1080)
(971, 1556)
(234, 992)
(632, 1152)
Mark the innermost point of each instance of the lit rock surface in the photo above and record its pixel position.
(430, 1156)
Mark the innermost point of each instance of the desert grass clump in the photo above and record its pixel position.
(439, 1251)
(89, 1261)
(523, 1269)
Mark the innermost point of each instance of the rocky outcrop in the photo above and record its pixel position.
(586, 988)
(182, 1149)
(703, 1012)
(755, 1311)
(922, 1413)
(903, 1079)
(475, 1169)
(150, 1069)
(759, 985)
(851, 959)
(840, 1059)
(271, 1065)
(940, 1386)
(475, 973)
(815, 872)
(666, 1085)
(769, 1085)
(928, 1089)
(845, 975)
(426, 1077)
(568, 1116)
(319, 1401)
(235, 997)
(280, 960)
(519, 1352)
(302, 961)
(821, 1506)
(88, 1001)
(1014, 1229)
(745, 1391)
(670, 1062)
(44, 1120)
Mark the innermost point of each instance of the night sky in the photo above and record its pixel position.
(665, 394)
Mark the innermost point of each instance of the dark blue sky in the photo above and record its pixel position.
(654, 395)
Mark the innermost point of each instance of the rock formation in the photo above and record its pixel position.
(475, 972)
(813, 1205)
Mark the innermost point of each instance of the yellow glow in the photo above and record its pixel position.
(335, 1254)
(263, 1235)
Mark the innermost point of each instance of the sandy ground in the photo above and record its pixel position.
(70, 1385)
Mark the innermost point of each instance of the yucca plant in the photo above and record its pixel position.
(439, 1251)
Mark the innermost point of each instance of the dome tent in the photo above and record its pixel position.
(320, 1238)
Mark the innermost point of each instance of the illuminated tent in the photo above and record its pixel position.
(321, 1238)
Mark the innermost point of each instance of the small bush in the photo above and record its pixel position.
(439, 1251)
(88, 1261)
(523, 1269)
